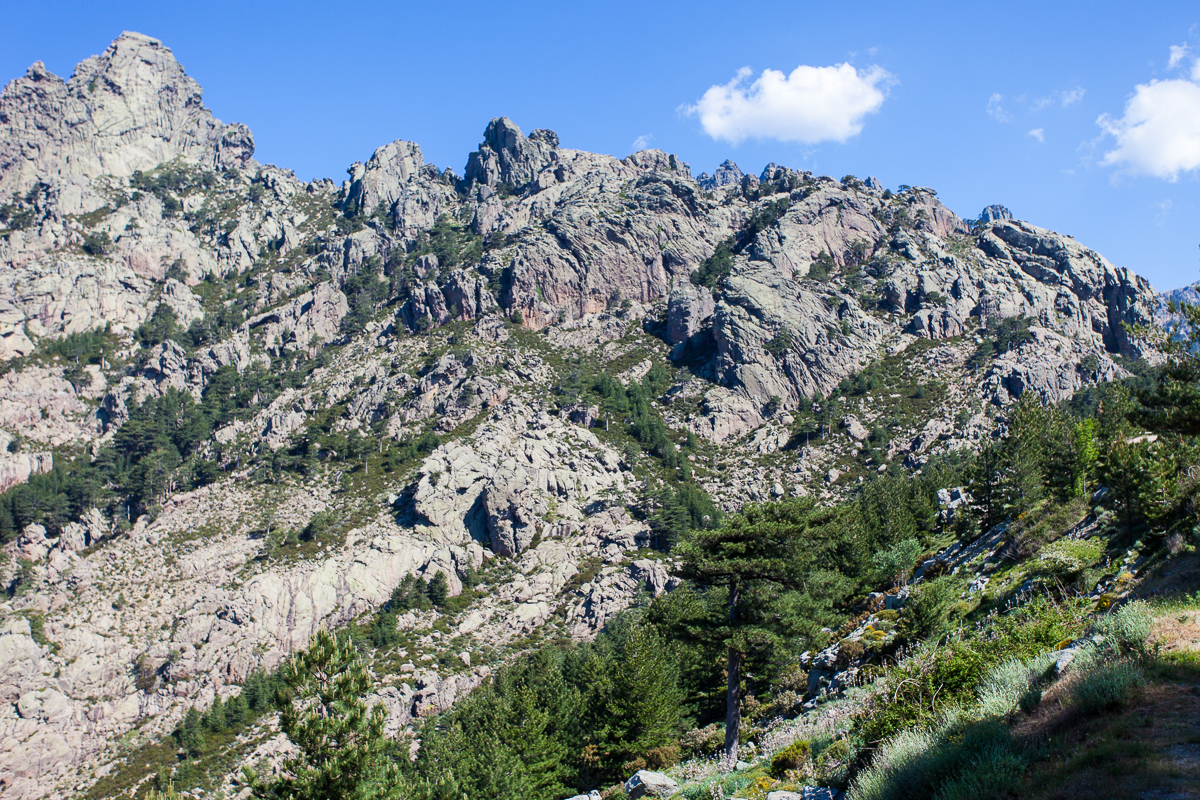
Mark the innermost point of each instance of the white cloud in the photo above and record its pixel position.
(1159, 133)
(995, 110)
(1178, 53)
(1164, 209)
(641, 142)
(1067, 97)
(813, 104)
(1038, 133)
(1196, 71)
(1072, 96)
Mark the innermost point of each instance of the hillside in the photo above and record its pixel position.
(237, 408)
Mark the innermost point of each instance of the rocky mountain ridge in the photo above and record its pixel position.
(464, 316)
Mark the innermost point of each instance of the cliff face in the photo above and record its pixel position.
(410, 302)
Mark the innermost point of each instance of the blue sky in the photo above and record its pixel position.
(1023, 104)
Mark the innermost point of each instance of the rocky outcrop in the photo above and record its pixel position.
(1052, 366)
(17, 467)
(40, 411)
(508, 158)
(202, 630)
(307, 322)
(778, 338)
(781, 334)
(520, 477)
(397, 181)
(995, 213)
(130, 108)
(645, 783)
(727, 174)
(608, 230)
(689, 319)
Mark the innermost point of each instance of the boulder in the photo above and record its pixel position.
(855, 429)
(806, 793)
(645, 783)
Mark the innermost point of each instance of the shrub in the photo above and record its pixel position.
(833, 761)
(1067, 558)
(1030, 700)
(822, 267)
(895, 564)
(702, 741)
(781, 343)
(794, 756)
(927, 610)
(662, 757)
(850, 652)
(957, 758)
(1127, 629)
(636, 765)
(97, 243)
(1011, 333)
(1009, 684)
(1105, 686)
(716, 268)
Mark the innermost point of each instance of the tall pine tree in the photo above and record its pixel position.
(775, 563)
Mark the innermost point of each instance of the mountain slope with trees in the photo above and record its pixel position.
(521, 437)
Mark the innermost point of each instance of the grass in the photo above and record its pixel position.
(1122, 723)
(1149, 748)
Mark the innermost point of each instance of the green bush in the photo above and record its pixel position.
(660, 758)
(1067, 558)
(822, 267)
(781, 343)
(97, 243)
(794, 756)
(1127, 628)
(913, 692)
(716, 268)
(832, 762)
(956, 758)
(895, 564)
(928, 610)
(1030, 700)
(702, 741)
(1105, 686)
(1009, 684)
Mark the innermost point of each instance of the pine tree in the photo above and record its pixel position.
(236, 711)
(1139, 474)
(439, 589)
(773, 563)
(191, 732)
(341, 740)
(644, 701)
(1172, 404)
(215, 718)
(1086, 451)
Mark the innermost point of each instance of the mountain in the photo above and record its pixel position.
(238, 407)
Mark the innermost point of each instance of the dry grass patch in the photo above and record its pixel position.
(1149, 750)
(1177, 632)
